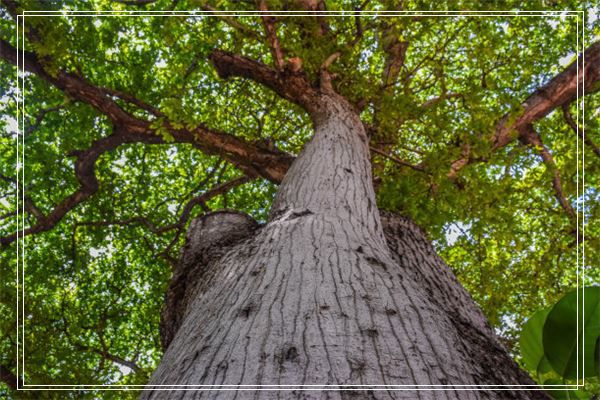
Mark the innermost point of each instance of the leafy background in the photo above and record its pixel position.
(94, 284)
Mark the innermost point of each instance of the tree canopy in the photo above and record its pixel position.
(126, 128)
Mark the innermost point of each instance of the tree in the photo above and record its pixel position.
(132, 124)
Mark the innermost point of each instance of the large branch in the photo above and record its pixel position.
(88, 183)
(577, 79)
(561, 90)
(73, 85)
(253, 160)
(291, 85)
(271, 164)
(394, 50)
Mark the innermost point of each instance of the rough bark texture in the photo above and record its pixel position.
(208, 238)
(325, 294)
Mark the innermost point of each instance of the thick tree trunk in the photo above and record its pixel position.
(328, 292)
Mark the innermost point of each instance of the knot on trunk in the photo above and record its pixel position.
(209, 234)
(208, 238)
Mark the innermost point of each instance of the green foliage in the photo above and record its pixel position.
(532, 347)
(563, 332)
(561, 344)
(93, 286)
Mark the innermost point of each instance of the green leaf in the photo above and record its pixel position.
(566, 343)
(532, 348)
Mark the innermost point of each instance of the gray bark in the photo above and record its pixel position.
(328, 292)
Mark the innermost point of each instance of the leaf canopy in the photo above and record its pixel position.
(432, 88)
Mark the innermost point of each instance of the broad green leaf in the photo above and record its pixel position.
(532, 348)
(544, 367)
(571, 333)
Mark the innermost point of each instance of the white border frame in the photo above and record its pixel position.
(127, 13)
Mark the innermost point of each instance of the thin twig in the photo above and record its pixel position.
(40, 117)
(578, 130)
(201, 200)
(234, 23)
(532, 138)
(397, 160)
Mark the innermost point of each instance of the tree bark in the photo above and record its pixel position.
(328, 292)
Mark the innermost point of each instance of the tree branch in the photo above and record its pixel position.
(88, 183)
(133, 100)
(532, 138)
(201, 200)
(330, 60)
(28, 204)
(129, 221)
(359, 31)
(395, 53)
(418, 168)
(578, 130)
(358, 26)
(292, 86)
(274, 45)
(234, 23)
(181, 221)
(251, 159)
(40, 117)
(436, 100)
(319, 8)
(198, 200)
(561, 90)
(458, 164)
(325, 76)
(108, 356)
(99, 331)
(75, 86)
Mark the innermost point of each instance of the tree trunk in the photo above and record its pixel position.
(328, 292)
